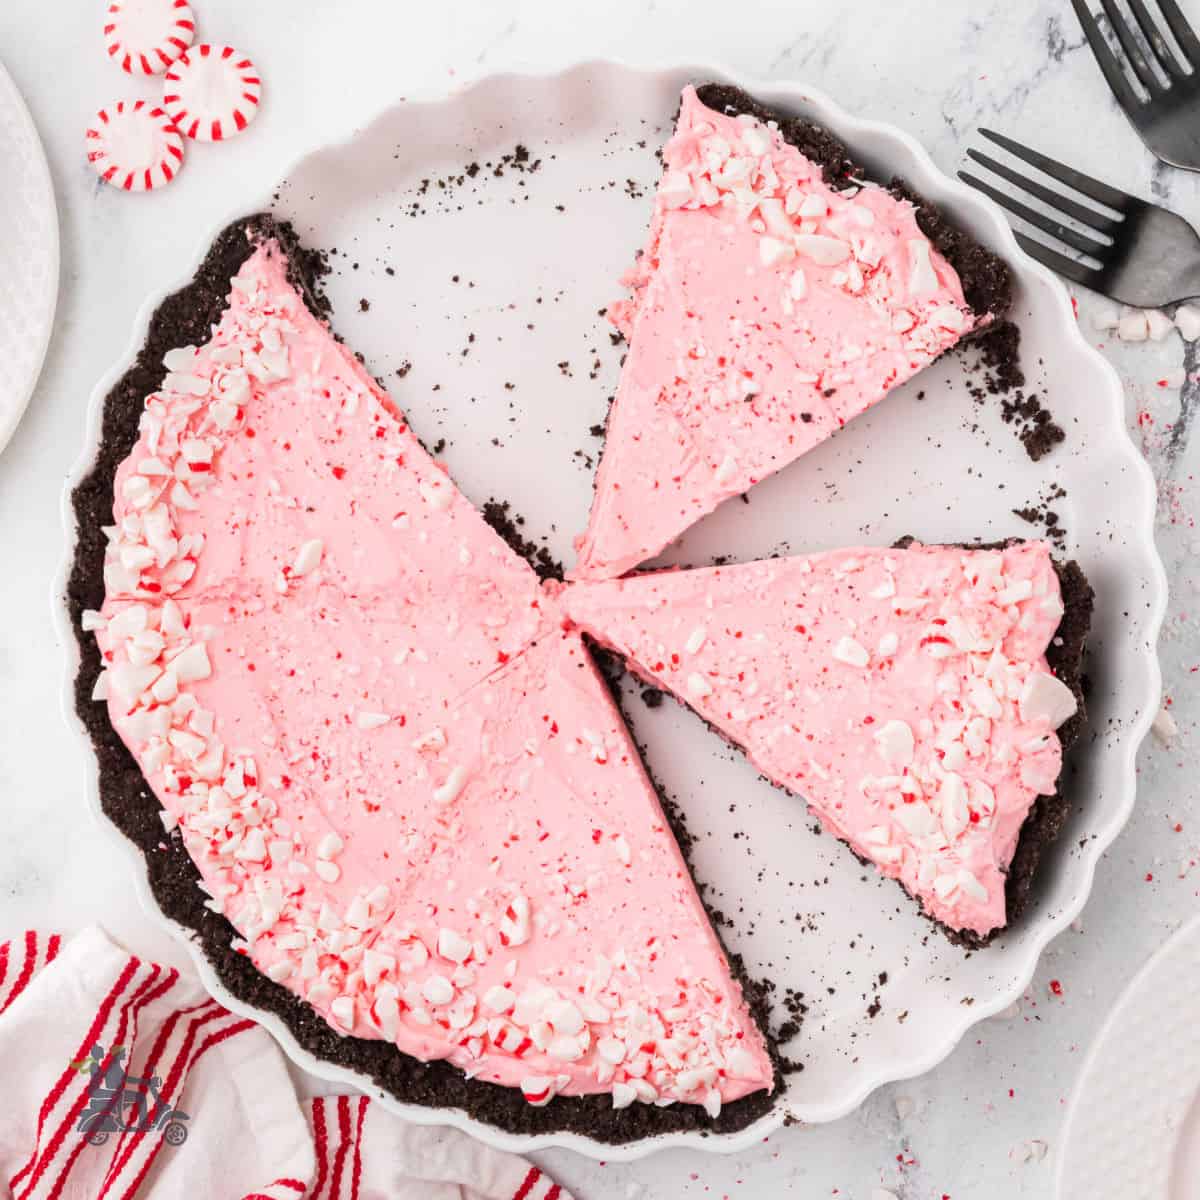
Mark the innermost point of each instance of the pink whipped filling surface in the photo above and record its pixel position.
(767, 310)
(904, 693)
(400, 777)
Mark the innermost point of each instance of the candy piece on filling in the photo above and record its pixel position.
(767, 311)
(904, 693)
(212, 92)
(135, 146)
(147, 36)
(402, 782)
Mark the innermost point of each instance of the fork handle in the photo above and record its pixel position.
(1184, 278)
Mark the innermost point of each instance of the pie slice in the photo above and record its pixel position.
(918, 698)
(775, 300)
(401, 782)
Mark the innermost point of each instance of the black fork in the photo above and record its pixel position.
(1167, 115)
(1135, 252)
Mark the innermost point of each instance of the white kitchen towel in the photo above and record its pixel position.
(123, 1079)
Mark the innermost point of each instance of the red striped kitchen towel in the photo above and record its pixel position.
(123, 1079)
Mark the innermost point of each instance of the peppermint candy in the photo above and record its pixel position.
(212, 92)
(135, 146)
(147, 36)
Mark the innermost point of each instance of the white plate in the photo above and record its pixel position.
(28, 257)
(1133, 1126)
(909, 466)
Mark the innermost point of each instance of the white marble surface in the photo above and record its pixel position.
(939, 70)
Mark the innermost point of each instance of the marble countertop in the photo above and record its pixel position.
(987, 1122)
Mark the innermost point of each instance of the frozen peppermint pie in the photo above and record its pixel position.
(334, 698)
(918, 698)
(777, 298)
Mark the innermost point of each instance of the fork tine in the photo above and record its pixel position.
(1110, 197)
(1080, 212)
(1126, 97)
(1058, 263)
(1155, 39)
(1133, 52)
(1056, 229)
(1182, 31)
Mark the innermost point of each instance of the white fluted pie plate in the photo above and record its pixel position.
(28, 257)
(1133, 1126)
(478, 280)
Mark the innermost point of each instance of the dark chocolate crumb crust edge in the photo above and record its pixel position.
(986, 279)
(186, 318)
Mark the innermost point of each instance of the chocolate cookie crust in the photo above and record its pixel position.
(986, 279)
(186, 318)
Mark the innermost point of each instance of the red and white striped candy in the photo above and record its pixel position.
(134, 145)
(147, 36)
(212, 92)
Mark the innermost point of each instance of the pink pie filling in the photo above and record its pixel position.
(768, 310)
(401, 780)
(904, 693)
